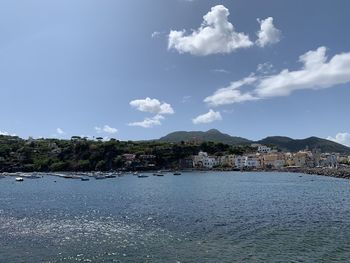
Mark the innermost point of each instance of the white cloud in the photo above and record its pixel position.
(186, 99)
(220, 70)
(7, 133)
(152, 106)
(208, 117)
(215, 35)
(156, 34)
(60, 131)
(265, 68)
(268, 33)
(148, 122)
(232, 94)
(317, 73)
(106, 129)
(342, 138)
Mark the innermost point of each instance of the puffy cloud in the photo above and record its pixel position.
(268, 33)
(215, 35)
(316, 73)
(342, 138)
(152, 106)
(106, 129)
(60, 131)
(148, 122)
(232, 94)
(5, 133)
(208, 117)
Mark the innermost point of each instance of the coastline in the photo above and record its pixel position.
(343, 172)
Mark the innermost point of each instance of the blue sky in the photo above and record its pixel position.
(133, 69)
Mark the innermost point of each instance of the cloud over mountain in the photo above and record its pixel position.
(208, 117)
(341, 137)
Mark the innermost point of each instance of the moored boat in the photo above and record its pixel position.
(19, 179)
(142, 176)
(31, 176)
(159, 173)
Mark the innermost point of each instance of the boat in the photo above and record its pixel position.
(177, 173)
(100, 177)
(159, 173)
(142, 176)
(84, 179)
(136, 173)
(110, 176)
(19, 179)
(67, 176)
(31, 176)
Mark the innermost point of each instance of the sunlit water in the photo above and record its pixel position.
(195, 217)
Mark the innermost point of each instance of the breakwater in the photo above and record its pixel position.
(343, 172)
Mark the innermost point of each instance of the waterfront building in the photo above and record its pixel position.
(203, 160)
(240, 161)
(273, 160)
(252, 161)
(226, 160)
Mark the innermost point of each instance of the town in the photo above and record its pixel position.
(84, 155)
(268, 158)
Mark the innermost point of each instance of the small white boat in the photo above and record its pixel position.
(19, 179)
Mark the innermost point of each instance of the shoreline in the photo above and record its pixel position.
(343, 172)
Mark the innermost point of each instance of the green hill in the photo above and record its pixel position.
(282, 143)
(211, 135)
(294, 145)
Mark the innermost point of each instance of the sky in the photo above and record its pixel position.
(132, 70)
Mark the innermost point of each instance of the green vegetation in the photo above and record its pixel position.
(80, 154)
(212, 135)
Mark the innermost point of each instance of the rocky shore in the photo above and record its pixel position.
(343, 172)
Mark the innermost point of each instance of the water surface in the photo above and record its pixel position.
(195, 217)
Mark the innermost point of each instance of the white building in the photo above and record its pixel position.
(226, 160)
(264, 149)
(252, 162)
(204, 160)
(240, 161)
(329, 160)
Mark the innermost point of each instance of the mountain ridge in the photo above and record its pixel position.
(283, 143)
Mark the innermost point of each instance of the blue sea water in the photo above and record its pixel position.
(195, 217)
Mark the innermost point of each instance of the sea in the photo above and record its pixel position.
(194, 217)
